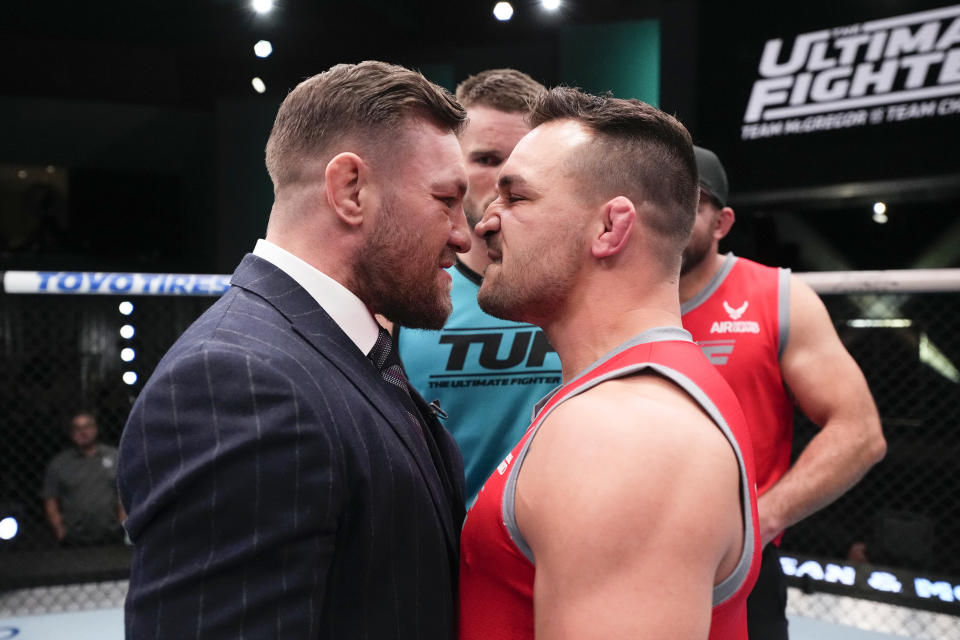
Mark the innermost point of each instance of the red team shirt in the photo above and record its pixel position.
(496, 565)
(741, 320)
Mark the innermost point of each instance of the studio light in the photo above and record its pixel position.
(262, 6)
(550, 5)
(126, 307)
(263, 48)
(9, 528)
(258, 85)
(503, 11)
(127, 354)
(879, 207)
(130, 377)
(127, 331)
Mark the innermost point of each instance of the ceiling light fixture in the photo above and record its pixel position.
(503, 11)
(262, 6)
(263, 48)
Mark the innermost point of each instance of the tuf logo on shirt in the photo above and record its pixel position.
(735, 325)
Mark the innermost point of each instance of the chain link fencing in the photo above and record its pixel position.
(884, 557)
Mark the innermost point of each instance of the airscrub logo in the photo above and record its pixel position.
(889, 70)
(735, 325)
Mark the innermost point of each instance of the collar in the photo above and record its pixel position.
(345, 308)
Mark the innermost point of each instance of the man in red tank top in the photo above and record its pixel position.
(771, 338)
(628, 508)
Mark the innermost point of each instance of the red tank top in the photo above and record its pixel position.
(496, 565)
(741, 320)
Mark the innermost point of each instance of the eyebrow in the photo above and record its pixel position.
(459, 185)
(507, 181)
(485, 152)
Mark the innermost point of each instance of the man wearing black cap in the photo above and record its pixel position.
(772, 340)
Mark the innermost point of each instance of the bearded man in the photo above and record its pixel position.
(281, 477)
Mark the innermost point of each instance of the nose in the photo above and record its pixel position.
(460, 233)
(490, 222)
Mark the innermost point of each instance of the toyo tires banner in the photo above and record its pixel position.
(133, 284)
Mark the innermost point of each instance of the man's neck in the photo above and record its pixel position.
(88, 451)
(594, 328)
(693, 281)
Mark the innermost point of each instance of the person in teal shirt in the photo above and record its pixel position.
(486, 374)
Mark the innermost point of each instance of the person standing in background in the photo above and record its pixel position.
(771, 338)
(80, 488)
(486, 373)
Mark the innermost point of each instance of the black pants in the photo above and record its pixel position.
(767, 603)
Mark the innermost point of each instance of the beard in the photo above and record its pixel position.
(398, 277)
(695, 253)
(536, 285)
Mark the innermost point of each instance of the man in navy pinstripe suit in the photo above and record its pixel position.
(278, 482)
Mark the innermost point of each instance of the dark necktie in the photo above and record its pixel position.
(384, 356)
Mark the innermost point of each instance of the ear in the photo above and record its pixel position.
(619, 216)
(342, 179)
(724, 221)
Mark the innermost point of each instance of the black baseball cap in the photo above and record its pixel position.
(712, 176)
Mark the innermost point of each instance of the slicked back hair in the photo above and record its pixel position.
(503, 89)
(365, 103)
(638, 152)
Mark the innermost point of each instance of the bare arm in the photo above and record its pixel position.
(629, 525)
(52, 509)
(830, 389)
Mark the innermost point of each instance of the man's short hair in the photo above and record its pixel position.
(503, 89)
(639, 152)
(364, 102)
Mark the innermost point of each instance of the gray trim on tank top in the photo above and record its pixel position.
(657, 334)
(783, 310)
(729, 585)
(712, 286)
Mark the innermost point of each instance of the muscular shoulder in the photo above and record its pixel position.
(632, 441)
(631, 469)
(641, 415)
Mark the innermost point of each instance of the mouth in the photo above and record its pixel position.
(447, 262)
(494, 250)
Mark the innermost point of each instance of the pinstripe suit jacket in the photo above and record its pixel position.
(275, 487)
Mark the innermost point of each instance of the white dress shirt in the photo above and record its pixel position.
(346, 309)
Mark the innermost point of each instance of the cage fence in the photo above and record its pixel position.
(884, 557)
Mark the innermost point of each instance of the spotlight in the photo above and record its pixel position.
(127, 354)
(262, 6)
(503, 11)
(22, 173)
(879, 207)
(130, 377)
(263, 48)
(258, 85)
(127, 331)
(550, 5)
(126, 307)
(9, 528)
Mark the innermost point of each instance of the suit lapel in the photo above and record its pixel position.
(316, 327)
